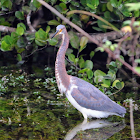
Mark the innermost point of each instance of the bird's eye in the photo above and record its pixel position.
(60, 30)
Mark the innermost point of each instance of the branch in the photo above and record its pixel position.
(122, 61)
(7, 29)
(132, 120)
(29, 22)
(102, 37)
(93, 15)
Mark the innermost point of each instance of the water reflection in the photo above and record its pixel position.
(97, 130)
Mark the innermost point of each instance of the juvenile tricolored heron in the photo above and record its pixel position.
(85, 97)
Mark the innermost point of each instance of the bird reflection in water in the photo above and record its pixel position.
(95, 130)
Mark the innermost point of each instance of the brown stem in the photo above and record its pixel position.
(7, 29)
(93, 15)
(29, 22)
(132, 120)
(122, 61)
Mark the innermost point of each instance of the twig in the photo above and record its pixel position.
(29, 22)
(122, 61)
(115, 92)
(7, 29)
(131, 120)
(93, 15)
(102, 37)
(35, 51)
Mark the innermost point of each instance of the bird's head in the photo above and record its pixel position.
(59, 30)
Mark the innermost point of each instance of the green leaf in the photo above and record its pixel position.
(53, 2)
(19, 15)
(99, 73)
(118, 63)
(107, 15)
(89, 73)
(124, 10)
(83, 2)
(64, 7)
(137, 69)
(92, 54)
(53, 22)
(52, 41)
(127, 22)
(112, 47)
(36, 4)
(112, 65)
(81, 62)
(39, 42)
(14, 35)
(71, 57)
(83, 43)
(76, 60)
(21, 43)
(114, 83)
(74, 40)
(106, 83)
(69, 51)
(65, 1)
(76, 20)
(41, 37)
(5, 46)
(8, 39)
(21, 25)
(109, 7)
(89, 64)
(137, 60)
(101, 24)
(6, 3)
(30, 37)
(98, 79)
(19, 58)
(48, 29)
(41, 34)
(92, 4)
(119, 85)
(137, 13)
(133, 6)
(20, 31)
(114, 3)
(112, 75)
(74, 3)
(19, 50)
(107, 77)
(108, 43)
(26, 9)
(82, 70)
(96, 28)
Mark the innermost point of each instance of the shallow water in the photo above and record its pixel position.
(31, 109)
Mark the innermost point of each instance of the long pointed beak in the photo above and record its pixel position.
(57, 32)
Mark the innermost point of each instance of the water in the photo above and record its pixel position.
(31, 109)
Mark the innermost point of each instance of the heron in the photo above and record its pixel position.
(85, 97)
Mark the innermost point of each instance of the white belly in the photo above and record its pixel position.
(87, 113)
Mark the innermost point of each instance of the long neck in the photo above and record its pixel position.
(60, 70)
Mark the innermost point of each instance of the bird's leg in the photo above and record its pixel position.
(84, 121)
(85, 116)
